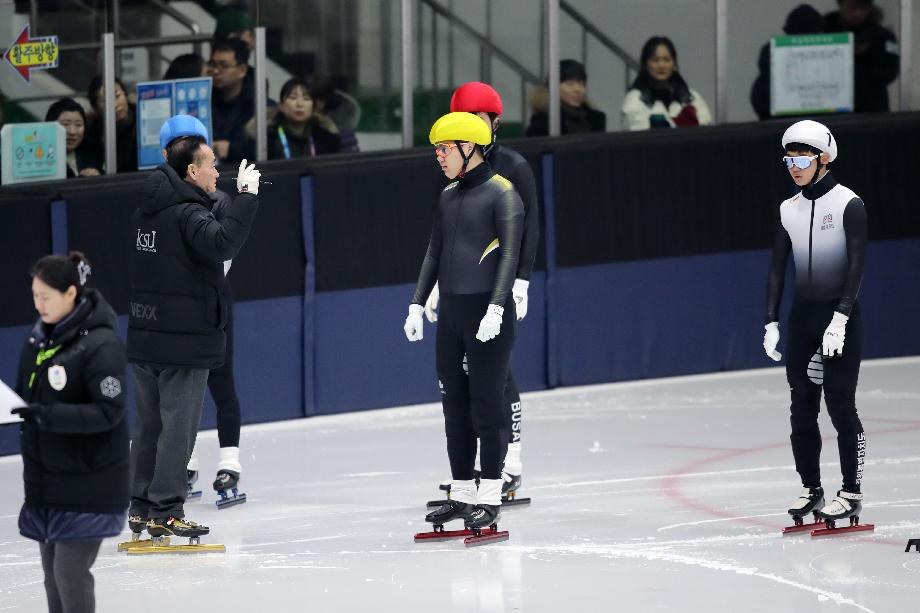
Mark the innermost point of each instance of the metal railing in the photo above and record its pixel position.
(589, 29)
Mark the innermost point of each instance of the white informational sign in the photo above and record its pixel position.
(33, 152)
(9, 401)
(157, 101)
(811, 74)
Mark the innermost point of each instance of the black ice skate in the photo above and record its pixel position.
(160, 529)
(510, 485)
(192, 494)
(811, 500)
(225, 486)
(846, 505)
(137, 524)
(483, 522)
(913, 543)
(449, 511)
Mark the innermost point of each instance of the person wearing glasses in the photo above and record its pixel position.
(234, 101)
(824, 227)
(473, 255)
(482, 100)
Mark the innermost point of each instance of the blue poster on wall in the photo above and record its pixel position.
(157, 101)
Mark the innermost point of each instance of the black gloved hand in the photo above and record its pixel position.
(34, 412)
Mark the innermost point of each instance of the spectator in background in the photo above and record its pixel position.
(659, 97)
(875, 48)
(233, 103)
(342, 109)
(577, 116)
(803, 19)
(187, 66)
(235, 22)
(297, 130)
(74, 436)
(125, 125)
(70, 114)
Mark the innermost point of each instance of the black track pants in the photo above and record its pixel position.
(474, 404)
(807, 323)
(223, 390)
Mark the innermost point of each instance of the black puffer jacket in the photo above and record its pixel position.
(178, 310)
(76, 457)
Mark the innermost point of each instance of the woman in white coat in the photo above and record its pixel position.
(659, 97)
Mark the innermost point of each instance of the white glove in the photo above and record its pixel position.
(835, 334)
(519, 292)
(413, 326)
(247, 179)
(771, 340)
(431, 305)
(491, 324)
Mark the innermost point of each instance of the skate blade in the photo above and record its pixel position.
(230, 501)
(843, 530)
(913, 543)
(486, 537)
(442, 535)
(196, 495)
(208, 548)
(515, 502)
(803, 528)
(137, 544)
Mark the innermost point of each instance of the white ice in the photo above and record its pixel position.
(663, 495)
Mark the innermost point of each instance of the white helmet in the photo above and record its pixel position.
(814, 134)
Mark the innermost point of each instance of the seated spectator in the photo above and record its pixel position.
(577, 116)
(342, 109)
(235, 22)
(233, 103)
(659, 97)
(875, 48)
(296, 129)
(187, 66)
(125, 126)
(70, 114)
(803, 19)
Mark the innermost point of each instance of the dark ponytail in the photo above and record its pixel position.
(60, 272)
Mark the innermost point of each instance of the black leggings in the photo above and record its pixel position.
(806, 332)
(223, 390)
(69, 584)
(474, 404)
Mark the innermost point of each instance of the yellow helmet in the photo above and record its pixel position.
(460, 126)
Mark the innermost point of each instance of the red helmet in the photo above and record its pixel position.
(476, 97)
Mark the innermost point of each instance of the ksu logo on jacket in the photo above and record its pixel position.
(146, 241)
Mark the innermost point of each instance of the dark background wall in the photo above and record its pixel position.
(652, 263)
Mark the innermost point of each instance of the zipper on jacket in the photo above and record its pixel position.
(811, 238)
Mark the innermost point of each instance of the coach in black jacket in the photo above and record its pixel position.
(177, 316)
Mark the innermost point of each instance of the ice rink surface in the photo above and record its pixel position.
(663, 495)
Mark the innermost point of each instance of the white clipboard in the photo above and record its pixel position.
(9, 400)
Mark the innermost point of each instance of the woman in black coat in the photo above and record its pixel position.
(74, 435)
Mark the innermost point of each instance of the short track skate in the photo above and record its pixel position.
(163, 529)
(227, 492)
(471, 537)
(808, 503)
(846, 505)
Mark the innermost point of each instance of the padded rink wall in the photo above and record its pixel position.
(653, 262)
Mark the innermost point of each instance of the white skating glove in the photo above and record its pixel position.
(247, 179)
(771, 340)
(431, 305)
(414, 323)
(835, 334)
(491, 324)
(519, 292)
